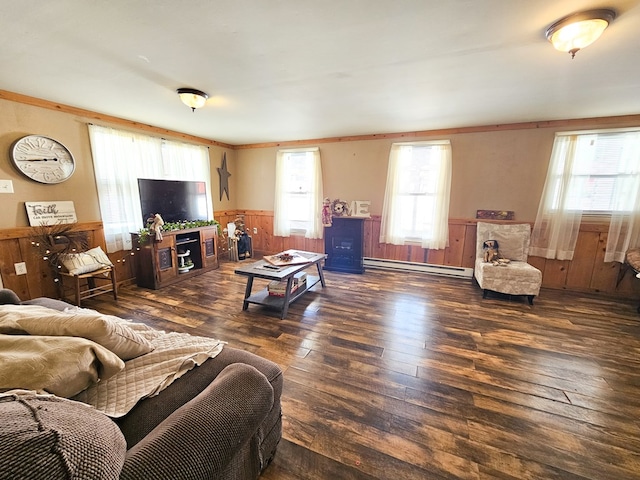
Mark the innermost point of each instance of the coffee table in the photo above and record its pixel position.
(268, 271)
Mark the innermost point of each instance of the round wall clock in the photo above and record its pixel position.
(43, 159)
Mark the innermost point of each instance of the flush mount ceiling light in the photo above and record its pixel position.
(579, 30)
(192, 98)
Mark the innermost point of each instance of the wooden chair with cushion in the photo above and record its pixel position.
(87, 274)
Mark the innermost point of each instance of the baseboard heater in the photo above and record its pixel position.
(444, 270)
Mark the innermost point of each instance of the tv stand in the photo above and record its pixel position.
(164, 262)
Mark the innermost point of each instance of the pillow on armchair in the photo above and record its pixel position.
(86, 262)
(513, 240)
(512, 246)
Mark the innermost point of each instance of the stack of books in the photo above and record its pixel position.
(278, 288)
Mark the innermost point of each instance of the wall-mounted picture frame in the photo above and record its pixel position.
(50, 213)
(495, 214)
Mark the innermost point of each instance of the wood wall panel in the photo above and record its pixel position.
(587, 272)
(605, 275)
(454, 253)
(376, 249)
(10, 254)
(293, 243)
(580, 270)
(399, 252)
(469, 248)
(40, 276)
(416, 254)
(368, 239)
(436, 257)
(17, 245)
(554, 274)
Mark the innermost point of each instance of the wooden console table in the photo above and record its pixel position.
(159, 263)
(264, 269)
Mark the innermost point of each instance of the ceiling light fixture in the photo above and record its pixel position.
(579, 30)
(192, 98)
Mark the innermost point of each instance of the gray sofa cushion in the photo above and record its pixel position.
(145, 416)
(48, 302)
(49, 438)
(199, 439)
(8, 297)
(205, 411)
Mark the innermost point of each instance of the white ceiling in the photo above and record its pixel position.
(281, 70)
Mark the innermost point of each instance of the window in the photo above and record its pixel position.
(416, 201)
(602, 174)
(298, 195)
(120, 158)
(596, 173)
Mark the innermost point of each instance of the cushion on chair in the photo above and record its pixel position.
(513, 239)
(516, 278)
(85, 262)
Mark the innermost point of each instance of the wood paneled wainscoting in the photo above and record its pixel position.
(19, 245)
(587, 272)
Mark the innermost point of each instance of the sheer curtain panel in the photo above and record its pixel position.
(624, 229)
(298, 193)
(120, 158)
(590, 173)
(416, 200)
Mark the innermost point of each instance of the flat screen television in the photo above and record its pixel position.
(174, 200)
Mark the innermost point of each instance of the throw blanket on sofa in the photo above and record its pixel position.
(63, 366)
(161, 357)
(149, 374)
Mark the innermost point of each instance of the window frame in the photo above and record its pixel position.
(592, 213)
(556, 229)
(284, 224)
(434, 189)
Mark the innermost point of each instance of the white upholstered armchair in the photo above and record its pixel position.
(515, 278)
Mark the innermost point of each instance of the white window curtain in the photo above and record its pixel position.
(298, 193)
(590, 173)
(120, 158)
(416, 200)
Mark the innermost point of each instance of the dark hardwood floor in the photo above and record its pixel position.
(410, 376)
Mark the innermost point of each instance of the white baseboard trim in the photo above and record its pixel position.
(444, 270)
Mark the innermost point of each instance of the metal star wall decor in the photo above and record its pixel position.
(224, 176)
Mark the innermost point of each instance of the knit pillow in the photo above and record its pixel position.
(46, 438)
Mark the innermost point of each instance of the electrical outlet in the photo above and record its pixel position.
(6, 186)
(255, 230)
(21, 268)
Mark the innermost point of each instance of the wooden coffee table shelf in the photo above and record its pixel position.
(263, 269)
